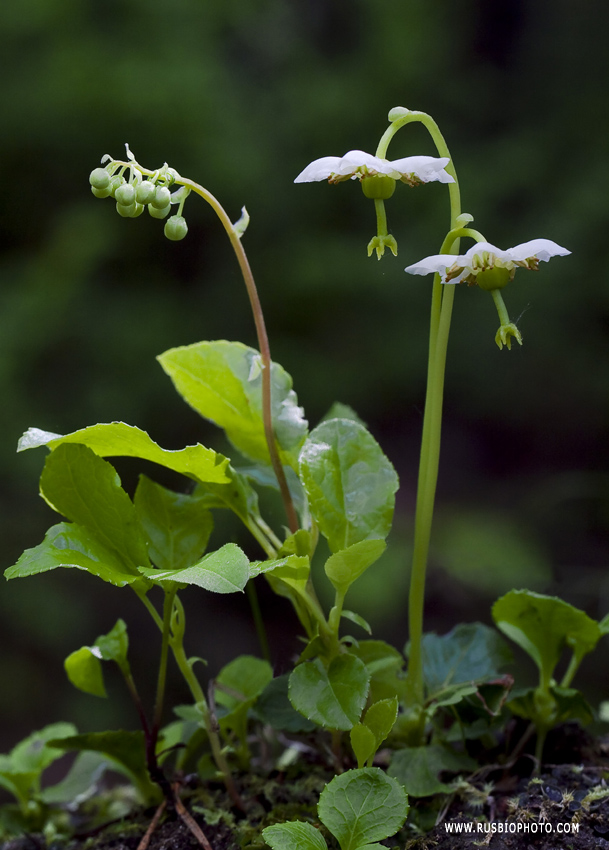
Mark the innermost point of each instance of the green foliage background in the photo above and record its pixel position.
(240, 96)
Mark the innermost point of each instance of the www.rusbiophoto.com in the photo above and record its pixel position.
(511, 827)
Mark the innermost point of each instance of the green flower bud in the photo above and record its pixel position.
(162, 197)
(145, 192)
(114, 184)
(126, 210)
(125, 194)
(159, 213)
(99, 179)
(378, 187)
(176, 228)
(100, 193)
(493, 278)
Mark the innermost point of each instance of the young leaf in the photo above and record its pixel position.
(70, 545)
(346, 566)
(84, 670)
(349, 482)
(384, 664)
(223, 571)
(114, 645)
(363, 743)
(470, 652)
(296, 835)
(177, 526)
(418, 768)
(86, 489)
(332, 697)
(114, 439)
(355, 618)
(127, 750)
(273, 707)
(362, 806)
(238, 685)
(543, 626)
(377, 723)
(223, 382)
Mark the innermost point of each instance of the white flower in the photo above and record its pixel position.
(483, 256)
(355, 165)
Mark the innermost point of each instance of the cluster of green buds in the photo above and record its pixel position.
(134, 188)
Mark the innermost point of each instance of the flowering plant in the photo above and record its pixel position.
(334, 482)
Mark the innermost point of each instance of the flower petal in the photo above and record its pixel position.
(319, 169)
(426, 168)
(543, 249)
(430, 265)
(353, 160)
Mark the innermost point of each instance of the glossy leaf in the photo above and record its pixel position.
(114, 439)
(296, 835)
(470, 652)
(350, 483)
(176, 526)
(86, 489)
(70, 545)
(273, 707)
(543, 626)
(84, 670)
(362, 806)
(332, 697)
(223, 382)
(346, 566)
(223, 571)
(126, 749)
(418, 768)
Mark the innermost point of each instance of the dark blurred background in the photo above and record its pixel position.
(240, 96)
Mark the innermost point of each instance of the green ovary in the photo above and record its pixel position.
(493, 278)
(378, 187)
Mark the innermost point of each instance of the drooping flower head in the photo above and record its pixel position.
(487, 266)
(357, 165)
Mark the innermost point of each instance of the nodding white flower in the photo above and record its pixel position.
(355, 165)
(483, 258)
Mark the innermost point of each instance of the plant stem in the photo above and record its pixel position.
(258, 621)
(162, 676)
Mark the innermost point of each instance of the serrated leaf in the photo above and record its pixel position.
(470, 652)
(293, 567)
(350, 483)
(273, 707)
(218, 380)
(127, 750)
(362, 806)
(380, 718)
(68, 545)
(84, 670)
(223, 571)
(418, 768)
(332, 697)
(296, 835)
(346, 566)
(114, 439)
(176, 526)
(543, 626)
(86, 489)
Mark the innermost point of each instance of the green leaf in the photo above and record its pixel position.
(241, 681)
(236, 495)
(81, 781)
(471, 652)
(20, 771)
(223, 382)
(273, 707)
(296, 568)
(177, 526)
(70, 545)
(346, 566)
(332, 697)
(570, 705)
(349, 482)
(363, 743)
(127, 750)
(86, 489)
(384, 664)
(338, 410)
(114, 645)
(355, 618)
(296, 835)
(84, 670)
(114, 439)
(418, 768)
(380, 718)
(543, 626)
(223, 571)
(362, 806)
